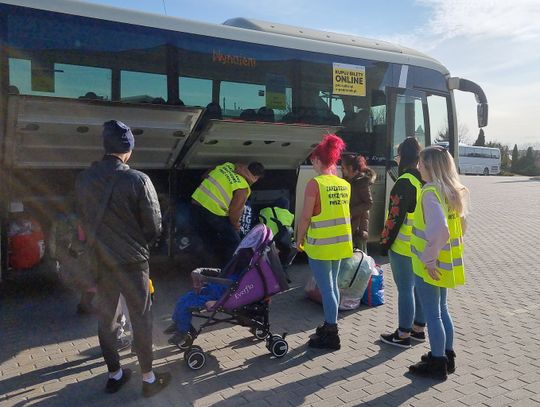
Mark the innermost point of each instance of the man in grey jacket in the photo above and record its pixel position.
(130, 223)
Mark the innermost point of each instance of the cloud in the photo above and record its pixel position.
(516, 19)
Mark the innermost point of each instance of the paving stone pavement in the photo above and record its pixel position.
(50, 357)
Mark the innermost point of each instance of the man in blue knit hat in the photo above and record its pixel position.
(130, 222)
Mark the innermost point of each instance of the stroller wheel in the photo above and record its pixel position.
(195, 358)
(259, 333)
(279, 347)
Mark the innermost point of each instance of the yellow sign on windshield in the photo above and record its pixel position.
(349, 80)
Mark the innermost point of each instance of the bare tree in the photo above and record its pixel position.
(463, 133)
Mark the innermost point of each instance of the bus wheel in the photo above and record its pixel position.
(486, 171)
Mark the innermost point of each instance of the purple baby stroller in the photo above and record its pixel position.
(252, 276)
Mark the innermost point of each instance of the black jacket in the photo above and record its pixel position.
(402, 200)
(132, 219)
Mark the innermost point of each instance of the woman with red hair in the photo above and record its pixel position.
(324, 233)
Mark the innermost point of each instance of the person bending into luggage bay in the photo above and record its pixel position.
(131, 221)
(218, 203)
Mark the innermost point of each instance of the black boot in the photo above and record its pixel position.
(450, 355)
(318, 331)
(433, 367)
(327, 338)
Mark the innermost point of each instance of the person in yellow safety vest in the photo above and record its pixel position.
(280, 221)
(218, 204)
(396, 241)
(437, 255)
(324, 233)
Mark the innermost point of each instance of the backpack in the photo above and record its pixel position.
(26, 243)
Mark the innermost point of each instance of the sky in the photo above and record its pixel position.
(494, 43)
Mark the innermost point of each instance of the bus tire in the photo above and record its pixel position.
(486, 171)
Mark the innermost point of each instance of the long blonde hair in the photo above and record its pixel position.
(441, 168)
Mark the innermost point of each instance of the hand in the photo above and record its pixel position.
(434, 273)
(300, 246)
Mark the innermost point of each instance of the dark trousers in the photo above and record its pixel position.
(217, 233)
(130, 280)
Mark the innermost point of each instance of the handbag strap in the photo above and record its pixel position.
(357, 269)
(91, 237)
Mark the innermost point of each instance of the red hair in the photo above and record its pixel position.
(329, 150)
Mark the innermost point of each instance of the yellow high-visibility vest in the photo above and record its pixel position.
(402, 243)
(269, 215)
(216, 191)
(450, 259)
(329, 233)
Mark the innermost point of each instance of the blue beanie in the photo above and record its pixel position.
(117, 137)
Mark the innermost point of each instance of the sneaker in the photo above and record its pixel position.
(395, 340)
(418, 336)
(113, 385)
(162, 381)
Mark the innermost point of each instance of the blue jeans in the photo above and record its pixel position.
(326, 275)
(439, 323)
(409, 307)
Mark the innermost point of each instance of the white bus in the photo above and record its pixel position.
(479, 160)
(199, 94)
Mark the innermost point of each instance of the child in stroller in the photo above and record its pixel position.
(241, 291)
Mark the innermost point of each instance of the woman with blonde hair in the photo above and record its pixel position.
(324, 233)
(437, 255)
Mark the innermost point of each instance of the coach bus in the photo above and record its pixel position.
(198, 94)
(479, 160)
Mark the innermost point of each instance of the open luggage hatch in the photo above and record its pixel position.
(278, 146)
(44, 132)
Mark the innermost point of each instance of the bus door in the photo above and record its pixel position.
(407, 116)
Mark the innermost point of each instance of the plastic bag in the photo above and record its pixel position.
(353, 279)
(312, 291)
(374, 295)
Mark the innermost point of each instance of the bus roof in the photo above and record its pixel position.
(261, 32)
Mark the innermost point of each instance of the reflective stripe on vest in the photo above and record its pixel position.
(216, 190)
(331, 222)
(328, 240)
(402, 243)
(329, 233)
(450, 259)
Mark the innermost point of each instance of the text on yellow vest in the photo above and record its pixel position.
(329, 233)
(450, 260)
(216, 191)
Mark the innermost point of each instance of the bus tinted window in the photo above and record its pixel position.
(438, 117)
(79, 53)
(195, 91)
(143, 87)
(71, 81)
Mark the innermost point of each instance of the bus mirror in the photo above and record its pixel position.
(482, 113)
(42, 76)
